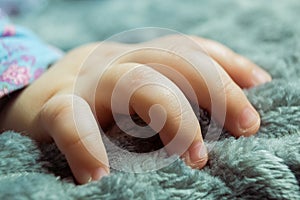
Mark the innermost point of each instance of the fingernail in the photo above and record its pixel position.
(98, 174)
(82, 176)
(198, 152)
(260, 76)
(90, 179)
(248, 119)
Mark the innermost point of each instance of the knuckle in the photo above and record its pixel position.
(177, 43)
(55, 107)
(224, 85)
(228, 86)
(240, 61)
(75, 141)
(173, 37)
(175, 105)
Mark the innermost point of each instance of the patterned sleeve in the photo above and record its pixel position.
(23, 56)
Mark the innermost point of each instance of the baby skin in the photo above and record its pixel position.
(46, 110)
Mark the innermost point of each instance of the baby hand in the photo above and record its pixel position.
(66, 103)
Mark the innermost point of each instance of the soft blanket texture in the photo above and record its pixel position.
(265, 166)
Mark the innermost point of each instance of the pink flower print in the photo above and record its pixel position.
(38, 73)
(28, 58)
(9, 30)
(17, 75)
(3, 92)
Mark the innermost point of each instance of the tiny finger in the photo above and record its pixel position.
(69, 120)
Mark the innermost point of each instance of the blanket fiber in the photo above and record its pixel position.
(264, 166)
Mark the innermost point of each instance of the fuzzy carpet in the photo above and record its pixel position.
(265, 166)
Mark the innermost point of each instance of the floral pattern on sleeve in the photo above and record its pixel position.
(17, 75)
(23, 56)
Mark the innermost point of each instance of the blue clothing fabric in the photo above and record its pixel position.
(23, 56)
